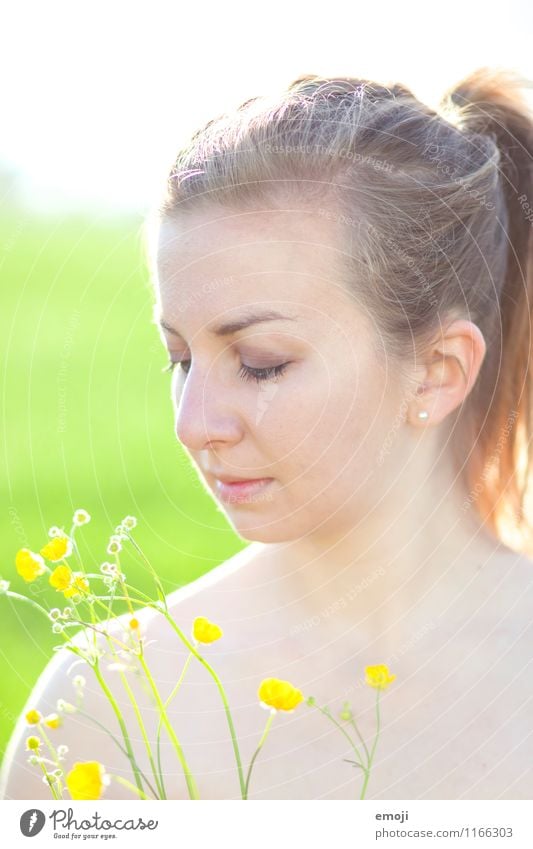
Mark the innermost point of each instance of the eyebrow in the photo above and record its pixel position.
(229, 328)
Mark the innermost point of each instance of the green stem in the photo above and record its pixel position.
(262, 740)
(352, 721)
(50, 783)
(136, 710)
(51, 749)
(222, 692)
(116, 742)
(75, 548)
(167, 702)
(142, 727)
(371, 758)
(129, 785)
(28, 601)
(157, 582)
(191, 784)
(122, 724)
(343, 731)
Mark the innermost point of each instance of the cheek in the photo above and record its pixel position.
(338, 422)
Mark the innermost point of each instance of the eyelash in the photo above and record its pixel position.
(246, 372)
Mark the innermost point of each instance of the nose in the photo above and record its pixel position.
(203, 411)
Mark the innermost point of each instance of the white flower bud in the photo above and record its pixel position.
(129, 522)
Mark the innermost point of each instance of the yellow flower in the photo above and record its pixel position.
(57, 549)
(134, 624)
(79, 585)
(53, 720)
(280, 695)
(86, 780)
(60, 577)
(378, 676)
(33, 743)
(33, 717)
(29, 565)
(205, 631)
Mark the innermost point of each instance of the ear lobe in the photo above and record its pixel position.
(453, 371)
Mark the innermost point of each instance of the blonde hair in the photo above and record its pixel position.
(433, 208)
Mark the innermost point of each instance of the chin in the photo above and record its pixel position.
(266, 533)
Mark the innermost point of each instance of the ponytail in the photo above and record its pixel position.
(500, 416)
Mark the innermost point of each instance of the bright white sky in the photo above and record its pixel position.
(97, 96)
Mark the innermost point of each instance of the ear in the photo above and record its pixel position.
(448, 372)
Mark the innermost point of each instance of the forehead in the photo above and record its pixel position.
(213, 265)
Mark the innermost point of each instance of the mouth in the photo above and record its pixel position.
(232, 490)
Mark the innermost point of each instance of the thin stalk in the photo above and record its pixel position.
(223, 696)
(167, 702)
(137, 712)
(343, 731)
(262, 740)
(191, 784)
(352, 722)
(120, 718)
(116, 742)
(129, 785)
(153, 573)
(155, 773)
(50, 783)
(28, 601)
(371, 758)
(48, 743)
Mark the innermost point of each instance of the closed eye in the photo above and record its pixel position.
(245, 372)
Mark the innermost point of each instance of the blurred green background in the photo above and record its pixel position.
(87, 423)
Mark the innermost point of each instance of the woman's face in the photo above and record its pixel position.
(301, 399)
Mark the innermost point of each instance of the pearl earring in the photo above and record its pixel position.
(423, 414)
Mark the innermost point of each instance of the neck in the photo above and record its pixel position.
(414, 549)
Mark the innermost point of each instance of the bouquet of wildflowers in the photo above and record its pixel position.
(91, 598)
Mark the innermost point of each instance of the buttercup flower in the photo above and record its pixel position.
(60, 578)
(280, 695)
(378, 676)
(78, 586)
(134, 624)
(81, 517)
(86, 780)
(57, 548)
(205, 631)
(53, 720)
(33, 743)
(29, 565)
(33, 717)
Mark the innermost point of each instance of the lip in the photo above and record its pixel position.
(234, 491)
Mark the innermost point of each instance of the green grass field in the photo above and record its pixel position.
(87, 422)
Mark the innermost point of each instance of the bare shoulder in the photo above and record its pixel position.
(114, 734)
(90, 727)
